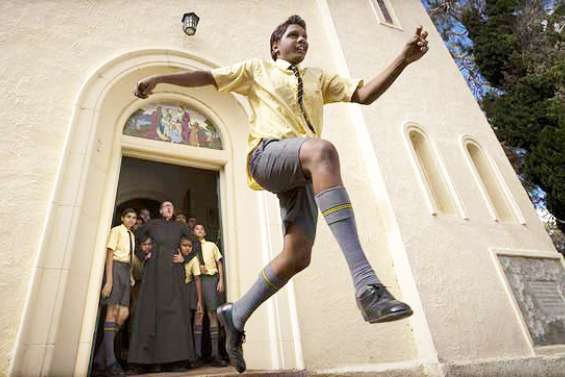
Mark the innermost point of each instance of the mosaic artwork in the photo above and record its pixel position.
(538, 284)
(173, 123)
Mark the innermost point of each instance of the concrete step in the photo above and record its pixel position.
(228, 372)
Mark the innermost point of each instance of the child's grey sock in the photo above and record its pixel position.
(336, 207)
(110, 330)
(266, 286)
(214, 338)
(198, 340)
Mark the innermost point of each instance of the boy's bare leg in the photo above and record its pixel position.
(294, 257)
(320, 161)
(122, 315)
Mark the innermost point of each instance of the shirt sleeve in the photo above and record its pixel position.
(336, 88)
(195, 268)
(217, 254)
(113, 237)
(237, 78)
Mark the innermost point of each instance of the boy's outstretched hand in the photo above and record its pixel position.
(144, 88)
(416, 47)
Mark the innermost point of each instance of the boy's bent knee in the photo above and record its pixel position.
(318, 151)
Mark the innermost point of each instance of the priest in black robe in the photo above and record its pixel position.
(159, 332)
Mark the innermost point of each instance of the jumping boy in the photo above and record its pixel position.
(212, 280)
(116, 289)
(286, 156)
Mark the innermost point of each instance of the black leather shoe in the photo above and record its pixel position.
(234, 337)
(115, 370)
(218, 363)
(378, 305)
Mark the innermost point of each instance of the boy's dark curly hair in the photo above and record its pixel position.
(281, 29)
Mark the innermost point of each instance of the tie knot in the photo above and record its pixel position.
(294, 69)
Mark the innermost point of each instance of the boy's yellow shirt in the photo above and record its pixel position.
(271, 89)
(211, 255)
(119, 243)
(191, 270)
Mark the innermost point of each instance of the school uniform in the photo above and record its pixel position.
(283, 119)
(122, 243)
(211, 256)
(191, 271)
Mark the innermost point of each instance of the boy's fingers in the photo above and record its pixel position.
(419, 30)
(425, 34)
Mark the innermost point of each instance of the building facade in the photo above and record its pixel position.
(436, 200)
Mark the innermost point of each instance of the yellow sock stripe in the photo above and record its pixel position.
(331, 210)
(269, 282)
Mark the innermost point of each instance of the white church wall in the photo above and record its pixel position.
(54, 48)
(463, 297)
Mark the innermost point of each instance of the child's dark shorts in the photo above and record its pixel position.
(191, 297)
(275, 166)
(209, 292)
(120, 285)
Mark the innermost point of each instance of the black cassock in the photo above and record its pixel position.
(161, 323)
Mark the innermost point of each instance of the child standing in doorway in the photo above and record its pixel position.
(116, 288)
(212, 278)
(193, 297)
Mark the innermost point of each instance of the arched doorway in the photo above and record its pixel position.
(55, 337)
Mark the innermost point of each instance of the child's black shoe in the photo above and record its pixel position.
(115, 370)
(377, 304)
(218, 363)
(234, 337)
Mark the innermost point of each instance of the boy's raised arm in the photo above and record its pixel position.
(414, 49)
(145, 87)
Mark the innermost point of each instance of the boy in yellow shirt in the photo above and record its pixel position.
(212, 278)
(193, 296)
(287, 157)
(116, 289)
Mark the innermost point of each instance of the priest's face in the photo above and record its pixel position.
(167, 210)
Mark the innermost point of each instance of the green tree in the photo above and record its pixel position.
(517, 49)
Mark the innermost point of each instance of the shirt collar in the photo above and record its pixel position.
(284, 65)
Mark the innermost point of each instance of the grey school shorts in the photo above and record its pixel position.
(209, 292)
(275, 165)
(120, 285)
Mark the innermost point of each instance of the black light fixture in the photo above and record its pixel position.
(189, 23)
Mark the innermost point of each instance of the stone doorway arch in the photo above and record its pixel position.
(56, 333)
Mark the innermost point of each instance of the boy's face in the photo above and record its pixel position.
(181, 218)
(191, 222)
(146, 246)
(129, 220)
(185, 247)
(199, 231)
(145, 215)
(293, 45)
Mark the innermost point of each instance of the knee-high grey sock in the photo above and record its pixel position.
(214, 337)
(198, 339)
(336, 207)
(266, 286)
(110, 330)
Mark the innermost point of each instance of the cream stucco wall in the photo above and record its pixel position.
(67, 80)
(450, 255)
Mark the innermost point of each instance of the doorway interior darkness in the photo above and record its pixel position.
(145, 184)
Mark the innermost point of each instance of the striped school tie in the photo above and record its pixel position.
(300, 95)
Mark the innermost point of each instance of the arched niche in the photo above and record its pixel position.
(439, 193)
(489, 181)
